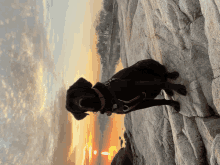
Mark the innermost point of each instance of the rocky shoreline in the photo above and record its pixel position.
(184, 36)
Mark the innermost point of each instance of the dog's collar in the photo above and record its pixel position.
(106, 94)
(108, 100)
(101, 97)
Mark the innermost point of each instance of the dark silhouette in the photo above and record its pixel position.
(130, 89)
(124, 155)
(107, 30)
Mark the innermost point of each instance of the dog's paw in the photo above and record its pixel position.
(173, 75)
(181, 89)
(176, 105)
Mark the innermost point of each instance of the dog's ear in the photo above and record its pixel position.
(80, 116)
(80, 83)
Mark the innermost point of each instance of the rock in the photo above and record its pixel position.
(198, 32)
(124, 155)
(215, 151)
(184, 36)
(122, 158)
(191, 8)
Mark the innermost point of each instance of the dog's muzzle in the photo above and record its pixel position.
(80, 103)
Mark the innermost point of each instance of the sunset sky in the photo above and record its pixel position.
(45, 47)
(74, 50)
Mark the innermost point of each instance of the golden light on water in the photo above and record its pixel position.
(104, 153)
(111, 153)
(78, 76)
(88, 149)
(95, 152)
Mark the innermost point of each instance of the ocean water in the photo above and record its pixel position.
(32, 96)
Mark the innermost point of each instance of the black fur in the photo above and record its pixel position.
(127, 86)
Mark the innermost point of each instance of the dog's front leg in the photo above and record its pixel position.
(181, 89)
(159, 102)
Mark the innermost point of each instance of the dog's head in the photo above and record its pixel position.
(81, 98)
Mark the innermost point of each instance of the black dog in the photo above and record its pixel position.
(130, 89)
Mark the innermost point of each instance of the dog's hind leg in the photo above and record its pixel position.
(169, 92)
(172, 75)
(181, 89)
